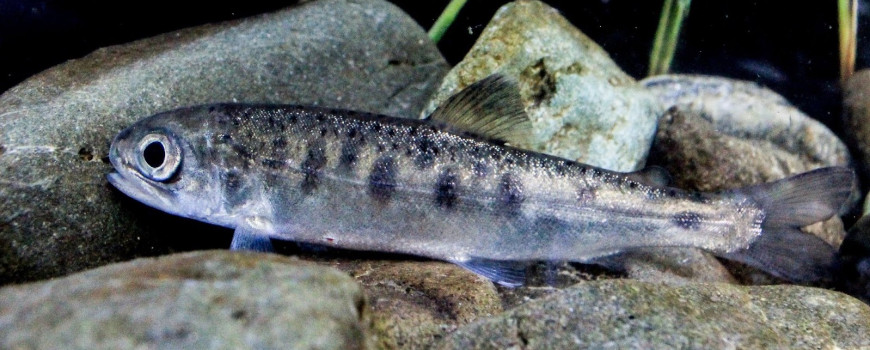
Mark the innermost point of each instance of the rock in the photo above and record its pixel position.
(413, 303)
(547, 278)
(206, 299)
(629, 314)
(416, 303)
(748, 111)
(856, 118)
(674, 266)
(582, 106)
(57, 212)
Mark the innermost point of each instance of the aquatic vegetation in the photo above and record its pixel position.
(674, 12)
(443, 22)
(847, 16)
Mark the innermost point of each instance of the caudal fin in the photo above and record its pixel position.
(782, 249)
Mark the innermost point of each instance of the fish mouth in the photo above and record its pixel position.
(138, 190)
(129, 182)
(120, 182)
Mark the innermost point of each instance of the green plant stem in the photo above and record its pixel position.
(667, 35)
(445, 19)
(847, 11)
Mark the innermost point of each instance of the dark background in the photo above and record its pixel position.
(790, 48)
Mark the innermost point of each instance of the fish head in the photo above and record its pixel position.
(158, 161)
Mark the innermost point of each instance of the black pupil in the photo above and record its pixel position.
(154, 154)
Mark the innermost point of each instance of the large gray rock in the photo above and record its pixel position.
(57, 213)
(201, 300)
(748, 111)
(582, 106)
(626, 314)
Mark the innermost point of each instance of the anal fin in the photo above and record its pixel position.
(506, 273)
(790, 254)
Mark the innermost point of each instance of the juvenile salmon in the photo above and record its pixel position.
(447, 187)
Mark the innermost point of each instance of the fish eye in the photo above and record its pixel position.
(159, 157)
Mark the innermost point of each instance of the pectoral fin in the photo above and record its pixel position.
(248, 238)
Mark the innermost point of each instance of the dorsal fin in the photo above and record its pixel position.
(490, 108)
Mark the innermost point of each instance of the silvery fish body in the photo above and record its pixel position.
(439, 188)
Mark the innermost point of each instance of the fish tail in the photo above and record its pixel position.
(788, 204)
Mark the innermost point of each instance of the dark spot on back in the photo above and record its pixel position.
(311, 166)
(560, 168)
(246, 113)
(427, 150)
(510, 193)
(480, 168)
(382, 180)
(687, 220)
(272, 163)
(446, 189)
(279, 142)
(232, 182)
(242, 151)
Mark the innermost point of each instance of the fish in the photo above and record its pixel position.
(451, 187)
